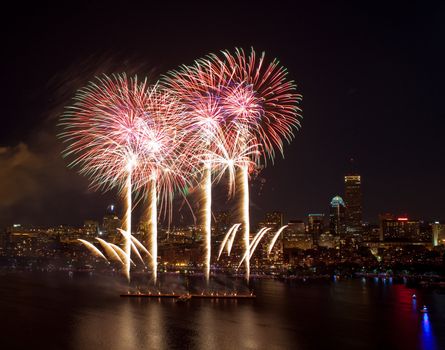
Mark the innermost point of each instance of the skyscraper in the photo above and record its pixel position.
(296, 236)
(382, 219)
(353, 202)
(295, 228)
(110, 224)
(337, 219)
(438, 233)
(315, 226)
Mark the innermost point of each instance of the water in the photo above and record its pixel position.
(54, 311)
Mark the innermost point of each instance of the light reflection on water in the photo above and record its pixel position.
(86, 313)
(427, 338)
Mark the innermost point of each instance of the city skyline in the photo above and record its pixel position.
(326, 212)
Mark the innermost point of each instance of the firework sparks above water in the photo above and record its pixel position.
(228, 240)
(109, 250)
(232, 239)
(93, 249)
(198, 89)
(228, 112)
(101, 129)
(252, 245)
(260, 104)
(133, 246)
(121, 133)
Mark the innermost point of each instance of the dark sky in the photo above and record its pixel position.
(372, 76)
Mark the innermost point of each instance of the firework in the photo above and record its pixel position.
(140, 245)
(153, 227)
(229, 152)
(166, 162)
(222, 145)
(260, 98)
(123, 133)
(253, 245)
(123, 255)
(93, 249)
(246, 216)
(134, 248)
(274, 239)
(232, 238)
(109, 250)
(228, 238)
(261, 103)
(198, 89)
(114, 251)
(101, 130)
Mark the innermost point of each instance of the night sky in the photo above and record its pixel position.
(372, 77)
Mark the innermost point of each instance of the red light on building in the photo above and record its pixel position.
(402, 219)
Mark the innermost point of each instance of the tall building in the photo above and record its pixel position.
(315, 226)
(294, 229)
(353, 202)
(110, 224)
(296, 236)
(401, 229)
(438, 233)
(337, 217)
(382, 219)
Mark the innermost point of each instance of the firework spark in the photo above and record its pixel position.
(262, 105)
(93, 249)
(153, 224)
(133, 246)
(232, 239)
(109, 250)
(122, 254)
(167, 165)
(102, 132)
(253, 245)
(122, 132)
(198, 89)
(227, 239)
(139, 245)
(246, 217)
(274, 239)
(261, 98)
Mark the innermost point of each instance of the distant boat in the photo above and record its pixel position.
(414, 296)
(424, 309)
